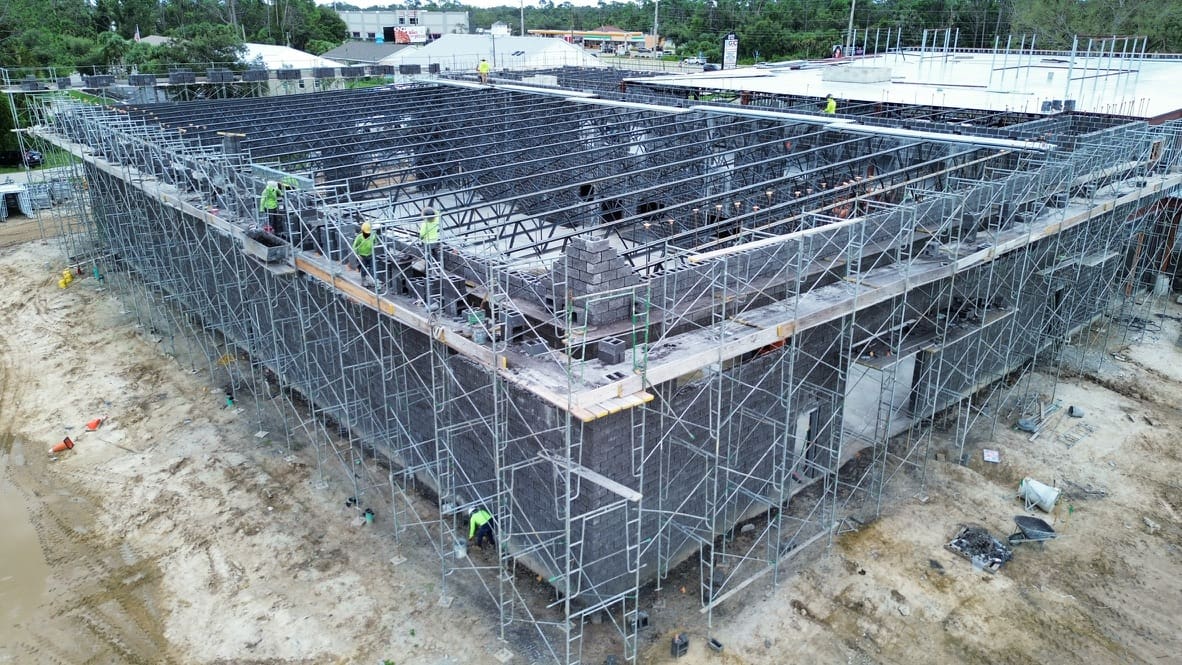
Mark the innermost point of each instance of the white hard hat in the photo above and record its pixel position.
(272, 183)
(471, 511)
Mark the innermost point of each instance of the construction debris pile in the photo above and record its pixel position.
(977, 545)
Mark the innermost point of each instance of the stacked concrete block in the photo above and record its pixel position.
(591, 267)
(99, 81)
(181, 77)
(612, 350)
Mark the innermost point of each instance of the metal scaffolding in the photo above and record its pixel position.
(657, 333)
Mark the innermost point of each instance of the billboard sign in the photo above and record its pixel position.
(410, 34)
(730, 51)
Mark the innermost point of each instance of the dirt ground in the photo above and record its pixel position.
(174, 534)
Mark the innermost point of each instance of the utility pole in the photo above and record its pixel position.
(522, 18)
(656, 24)
(849, 35)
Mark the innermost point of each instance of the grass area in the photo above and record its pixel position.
(367, 82)
(82, 96)
(52, 160)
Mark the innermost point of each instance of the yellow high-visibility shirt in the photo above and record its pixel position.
(429, 230)
(363, 245)
(831, 106)
(478, 519)
(483, 67)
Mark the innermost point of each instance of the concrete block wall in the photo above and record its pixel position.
(1046, 309)
(755, 417)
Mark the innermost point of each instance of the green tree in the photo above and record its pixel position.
(203, 43)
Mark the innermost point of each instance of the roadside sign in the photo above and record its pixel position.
(730, 51)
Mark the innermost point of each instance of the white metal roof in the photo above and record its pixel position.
(977, 80)
(463, 53)
(282, 57)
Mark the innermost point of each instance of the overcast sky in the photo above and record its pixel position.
(475, 3)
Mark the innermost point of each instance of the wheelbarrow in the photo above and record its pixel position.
(1031, 530)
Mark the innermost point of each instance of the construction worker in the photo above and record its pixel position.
(363, 250)
(429, 234)
(483, 69)
(830, 105)
(480, 527)
(269, 204)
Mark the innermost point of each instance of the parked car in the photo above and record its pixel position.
(710, 67)
(693, 61)
(29, 158)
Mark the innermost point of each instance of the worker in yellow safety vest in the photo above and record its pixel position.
(483, 69)
(429, 233)
(830, 105)
(272, 204)
(480, 527)
(363, 250)
(269, 204)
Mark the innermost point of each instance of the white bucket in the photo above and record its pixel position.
(1161, 285)
(1035, 493)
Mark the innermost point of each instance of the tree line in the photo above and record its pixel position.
(98, 33)
(94, 34)
(784, 29)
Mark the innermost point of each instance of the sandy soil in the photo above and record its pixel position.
(1105, 591)
(174, 534)
(18, 229)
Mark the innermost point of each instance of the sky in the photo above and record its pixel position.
(364, 4)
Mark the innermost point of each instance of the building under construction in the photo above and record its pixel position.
(672, 321)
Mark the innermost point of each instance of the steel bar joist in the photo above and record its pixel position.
(652, 333)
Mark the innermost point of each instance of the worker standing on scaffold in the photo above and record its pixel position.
(429, 236)
(269, 205)
(483, 69)
(363, 250)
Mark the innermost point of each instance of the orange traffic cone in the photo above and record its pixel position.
(66, 444)
(94, 424)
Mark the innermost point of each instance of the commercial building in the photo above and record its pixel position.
(403, 26)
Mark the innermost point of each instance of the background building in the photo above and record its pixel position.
(403, 26)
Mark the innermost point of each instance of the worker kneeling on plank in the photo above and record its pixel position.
(480, 527)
